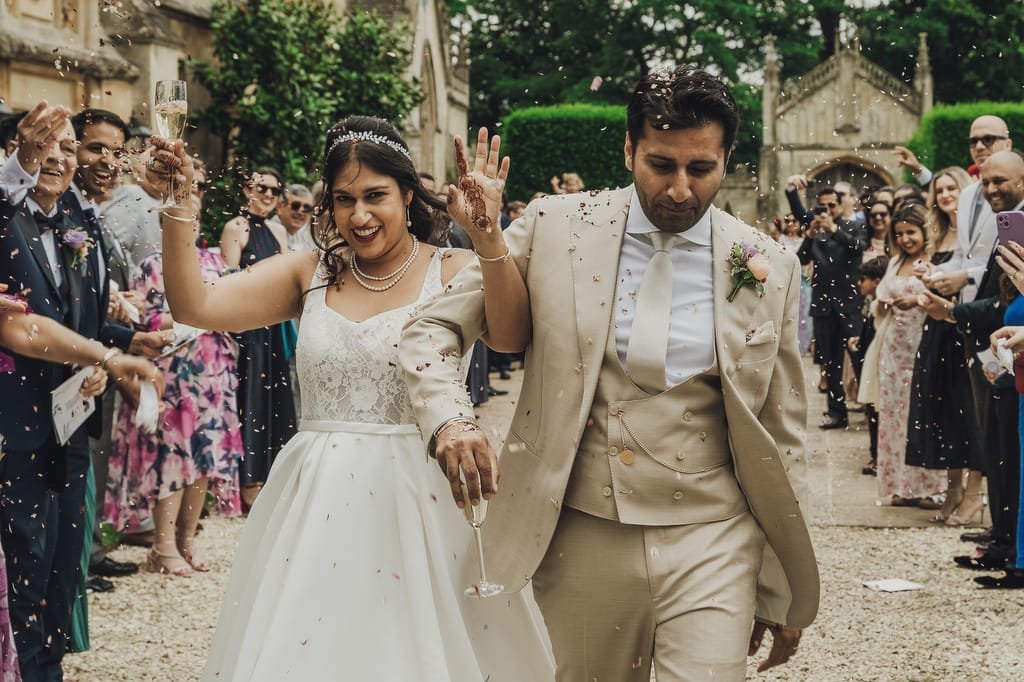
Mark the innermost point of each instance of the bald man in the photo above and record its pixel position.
(1002, 186)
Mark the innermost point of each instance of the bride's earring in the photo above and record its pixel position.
(408, 218)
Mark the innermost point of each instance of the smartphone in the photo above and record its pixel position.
(1010, 227)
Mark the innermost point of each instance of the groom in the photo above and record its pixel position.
(646, 478)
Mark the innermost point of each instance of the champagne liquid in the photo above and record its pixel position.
(475, 515)
(171, 118)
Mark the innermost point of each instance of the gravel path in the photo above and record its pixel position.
(154, 627)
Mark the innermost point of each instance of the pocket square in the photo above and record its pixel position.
(763, 334)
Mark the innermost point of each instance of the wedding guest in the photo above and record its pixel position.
(944, 433)
(889, 364)
(879, 216)
(55, 261)
(197, 443)
(132, 216)
(569, 183)
(295, 213)
(871, 273)
(907, 193)
(515, 209)
(265, 401)
(792, 238)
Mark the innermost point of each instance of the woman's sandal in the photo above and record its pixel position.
(172, 564)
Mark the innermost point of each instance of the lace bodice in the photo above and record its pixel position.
(349, 371)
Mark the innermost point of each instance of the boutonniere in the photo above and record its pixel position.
(79, 242)
(747, 265)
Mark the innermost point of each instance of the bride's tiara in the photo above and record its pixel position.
(366, 136)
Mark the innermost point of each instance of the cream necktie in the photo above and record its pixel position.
(648, 340)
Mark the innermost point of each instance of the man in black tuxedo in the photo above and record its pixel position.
(43, 482)
(835, 246)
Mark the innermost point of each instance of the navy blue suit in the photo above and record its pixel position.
(43, 482)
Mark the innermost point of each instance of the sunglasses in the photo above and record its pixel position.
(883, 214)
(987, 140)
(274, 190)
(830, 204)
(791, 221)
(840, 194)
(298, 206)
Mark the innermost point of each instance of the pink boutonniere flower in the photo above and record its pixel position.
(747, 265)
(79, 242)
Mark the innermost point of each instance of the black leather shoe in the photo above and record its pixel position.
(491, 391)
(504, 375)
(98, 584)
(978, 536)
(109, 568)
(1010, 580)
(833, 423)
(980, 563)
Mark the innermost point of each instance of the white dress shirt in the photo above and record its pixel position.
(691, 334)
(49, 240)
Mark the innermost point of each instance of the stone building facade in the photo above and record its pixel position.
(110, 54)
(840, 121)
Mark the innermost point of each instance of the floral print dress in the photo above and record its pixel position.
(900, 339)
(198, 433)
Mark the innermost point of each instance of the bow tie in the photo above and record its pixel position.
(47, 223)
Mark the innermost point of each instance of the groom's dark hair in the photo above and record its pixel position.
(681, 98)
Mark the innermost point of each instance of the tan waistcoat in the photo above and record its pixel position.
(655, 460)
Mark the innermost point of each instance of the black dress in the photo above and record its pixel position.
(266, 407)
(942, 431)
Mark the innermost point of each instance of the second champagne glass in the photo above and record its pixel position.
(171, 109)
(475, 516)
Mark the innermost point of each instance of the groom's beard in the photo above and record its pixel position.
(668, 216)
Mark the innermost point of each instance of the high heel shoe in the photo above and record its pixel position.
(950, 505)
(961, 517)
(172, 564)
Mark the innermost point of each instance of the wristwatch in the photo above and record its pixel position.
(949, 313)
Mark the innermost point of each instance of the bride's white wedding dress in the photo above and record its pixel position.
(352, 563)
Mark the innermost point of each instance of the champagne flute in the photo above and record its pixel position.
(475, 515)
(171, 110)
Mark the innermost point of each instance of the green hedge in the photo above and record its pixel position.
(581, 138)
(941, 139)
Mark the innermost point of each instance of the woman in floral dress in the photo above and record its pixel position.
(899, 326)
(197, 443)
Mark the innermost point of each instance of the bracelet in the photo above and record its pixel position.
(189, 220)
(108, 356)
(444, 425)
(500, 259)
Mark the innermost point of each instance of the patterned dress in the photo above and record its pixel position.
(198, 433)
(900, 338)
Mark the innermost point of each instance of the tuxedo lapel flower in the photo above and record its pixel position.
(79, 242)
(748, 266)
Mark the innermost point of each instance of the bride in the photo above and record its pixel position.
(353, 560)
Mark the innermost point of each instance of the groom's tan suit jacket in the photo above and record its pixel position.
(567, 249)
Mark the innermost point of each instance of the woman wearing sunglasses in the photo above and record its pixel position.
(265, 402)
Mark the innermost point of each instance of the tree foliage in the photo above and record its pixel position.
(284, 71)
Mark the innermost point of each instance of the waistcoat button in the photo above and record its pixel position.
(613, 451)
(687, 416)
(606, 491)
(677, 495)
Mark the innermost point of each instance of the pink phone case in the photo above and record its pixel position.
(1010, 227)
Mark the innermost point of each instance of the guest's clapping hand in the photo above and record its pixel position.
(797, 181)
(1011, 337)
(907, 159)
(1011, 260)
(947, 283)
(37, 131)
(128, 372)
(462, 447)
(935, 306)
(475, 203)
(10, 305)
(785, 642)
(94, 384)
(853, 344)
(150, 344)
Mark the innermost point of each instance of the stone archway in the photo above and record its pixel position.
(864, 176)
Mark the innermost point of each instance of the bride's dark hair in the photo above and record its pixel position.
(426, 211)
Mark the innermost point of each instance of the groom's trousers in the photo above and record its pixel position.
(617, 598)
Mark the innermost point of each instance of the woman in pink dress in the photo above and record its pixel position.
(900, 323)
(197, 442)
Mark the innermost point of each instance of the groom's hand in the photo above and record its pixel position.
(462, 447)
(784, 643)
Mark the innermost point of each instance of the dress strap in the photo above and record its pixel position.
(432, 282)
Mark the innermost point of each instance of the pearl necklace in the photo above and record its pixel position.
(396, 276)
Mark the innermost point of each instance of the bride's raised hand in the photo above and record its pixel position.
(475, 202)
(168, 160)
